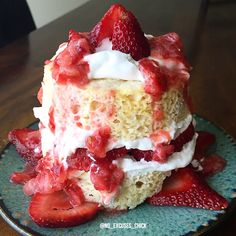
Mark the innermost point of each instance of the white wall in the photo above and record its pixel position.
(45, 11)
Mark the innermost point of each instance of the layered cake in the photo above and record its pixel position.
(114, 122)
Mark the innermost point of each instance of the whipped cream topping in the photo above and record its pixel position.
(175, 161)
(118, 65)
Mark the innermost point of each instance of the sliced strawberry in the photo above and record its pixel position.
(22, 177)
(185, 187)
(123, 29)
(183, 138)
(162, 152)
(212, 164)
(169, 47)
(116, 153)
(204, 140)
(28, 143)
(54, 210)
(155, 82)
(79, 160)
(51, 177)
(74, 192)
(140, 154)
(97, 143)
(106, 176)
(44, 182)
(68, 66)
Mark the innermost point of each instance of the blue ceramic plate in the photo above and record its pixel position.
(144, 220)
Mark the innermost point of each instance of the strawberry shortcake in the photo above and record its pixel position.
(114, 122)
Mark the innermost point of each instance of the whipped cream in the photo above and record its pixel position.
(175, 161)
(74, 137)
(118, 65)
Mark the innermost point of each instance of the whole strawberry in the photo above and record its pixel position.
(123, 29)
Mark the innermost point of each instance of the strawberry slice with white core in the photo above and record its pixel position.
(185, 187)
(54, 210)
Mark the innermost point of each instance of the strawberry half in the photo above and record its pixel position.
(54, 210)
(28, 143)
(129, 38)
(185, 187)
(123, 29)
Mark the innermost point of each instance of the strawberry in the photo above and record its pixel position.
(183, 138)
(79, 160)
(55, 211)
(74, 192)
(106, 176)
(51, 177)
(128, 38)
(212, 164)
(204, 140)
(97, 142)
(45, 182)
(141, 154)
(68, 66)
(169, 47)
(161, 153)
(22, 177)
(185, 187)
(116, 153)
(155, 81)
(123, 29)
(28, 143)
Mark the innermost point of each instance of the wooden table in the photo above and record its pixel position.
(209, 35)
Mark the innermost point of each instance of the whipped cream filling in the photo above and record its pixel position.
(175, 161)
(74, 137)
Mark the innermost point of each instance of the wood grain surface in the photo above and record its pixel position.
(209, 35)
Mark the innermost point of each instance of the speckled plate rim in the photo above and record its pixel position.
(201, 230)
